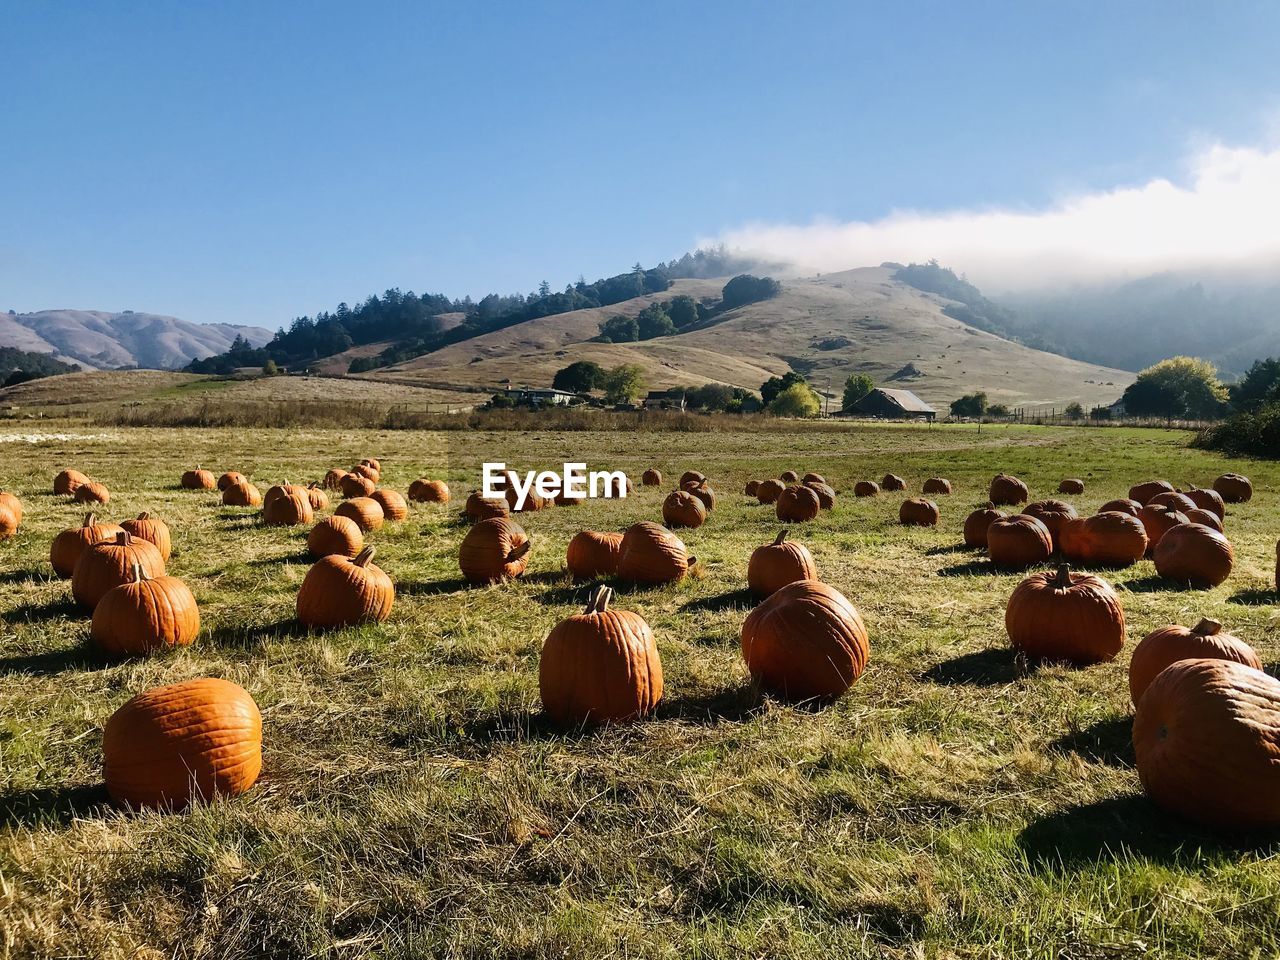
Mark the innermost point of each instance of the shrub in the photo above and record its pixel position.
(798, 400)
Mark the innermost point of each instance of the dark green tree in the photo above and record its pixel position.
(683, 311)
(580, 376)
(855, 388)
(654, 322)
(970, 405)
(775, 385)
(620, 329)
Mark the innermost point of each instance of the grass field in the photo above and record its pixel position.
(415, 804)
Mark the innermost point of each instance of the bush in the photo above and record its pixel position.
(970, 405)
(620, 330)
(1246, 434)
(746, 289)
(798, 400)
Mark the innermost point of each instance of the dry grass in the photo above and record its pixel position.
(414, 803)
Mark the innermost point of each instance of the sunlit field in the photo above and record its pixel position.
(415, 802)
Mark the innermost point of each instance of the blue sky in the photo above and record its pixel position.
(248, 162)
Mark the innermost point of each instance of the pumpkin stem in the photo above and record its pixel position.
(1207, 627)
(123, 538)
(780, 538)
(599, 603)
(1063, 576)
(520, 551)
(139, 575)
(144, 515)
(88, 520)
(363, 557)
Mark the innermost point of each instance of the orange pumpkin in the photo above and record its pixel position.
(1206, 518)
(1068, 616)
(703, 492)
(651, 478)
(1194, 554)
(393, 505)
(683, 509)
(1007, 490)
(11, 503)
(365, 511)
(1018, 542)
(692, 476)
(494, 550)
(866, 488)
(478, 507)
(918, 512)
(145, 615)
(1158, 521)
(788, 476)
(1053, 514)
(1234, 488)
(198, 479)
(1143, 492)
(1209, 500)
(592, 554)
(978, 523)
(769, 491)
(92, 492)
(1072, 485)
(937, 485)
(65, 483)
(805, 642)
(776, 564)
(173, 744)
(372, 462)
(1111, 539)
(9, 522)
(230, 478)
(353, 485)
(109, 563)
(1168, 645)
(287, 506)
(341, 592)
(652, 555)
(69, 544)
(1178, 501)
(153, 530)
(752, 488)
(826, 495)
(318, 499)
(429, 491)
(335, 536)
(797, 504)
(241, 494)
(333, 478)
(892, 482)
(1122, 505)
(368, 471)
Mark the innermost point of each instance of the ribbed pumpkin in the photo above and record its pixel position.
(1111, 539)
(287, 506)
(1062, 615)
(368, 471)
(1205, 518)
(277, 490)
(372, 462)
(9, 522)
(1168, 645)
(333, 478)
(1143, 492)
(65, 483)
(153, 530)
(1053, 514)
(805, 642)
(11, 503)
(341, 592)
(145, 615)
(1018, 542)
(937, 485)
(1072, 485)
(797, 504)
(478, 507)
(69, 544)
(365, 511)
(193, 740)
(1207, 740)
(1179, 501)
(1209, 500)
(978, 523)
(393, 505)
(752, 488)
(703, 492)
(1194, 554)
(600, 666)
(918, 512)
(494, 550)
(429, 491)
(776, 564)
(354, 485)
(317, 497)
(109, 563)
(769, 490)
(533, 501)
(593, 554)
(241, 494)
(92, 492)
(1234, 488)
(1158, 521)
(651, 478)
(692, 476)
(866, 488)
(198, 479)
(1007, 490)
(826, 495)
(652, 554)
(1122, 505)
(683, 509)
(813, 478)
(788, 476)
(892, 482)
(230, 478)
(335, 536)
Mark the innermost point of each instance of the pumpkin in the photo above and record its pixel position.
(1206, 518)
(11, 503)
(353, 485)
(333, 478)
(532, 501)
(198, 479)
(1180, 502)
(241, 494)
(1053, 514)
(69, 544)
(1209, 500)
(1168, 645)
(703, 493)
(287, 509)
(153, 530)
(1061, 615)
(286, 489)
(683, 509)
(776, 564)
(752, 488)
(316, 496)
(937, 485)
(365, 511)
(805, 642)
(918, 512)
(592, 554)
(1143, 492)
(230, 478)
(65, 483)
(651, 478)
(1234, 488)
(1110, 539)
(342, 592)
(813, 478)
(1206, 737)
(478, 507)
(1122, 505)
(651, 554)
(564, 499)
(1007, 490)
(1018, 542)
(494, 550)
(866, 488)
(335, 536)
(372, 462)
(692, 476)
(788, 476)
(600, 666)
(769, 490)
(1194, 554)
(1158, 521)
(892, 483)
(186, 741)
(109, 563)
(796, 504)
(393, 505)
(826, 495)
(92, 492)
(429, 491)
(9, 523)
(144, 615)
(978, 523)
(1071, 485)
(367, 471)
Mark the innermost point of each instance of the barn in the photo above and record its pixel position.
(893, 405)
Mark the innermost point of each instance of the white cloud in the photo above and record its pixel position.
(1227, 215)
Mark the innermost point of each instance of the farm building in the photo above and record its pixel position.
(672, 399)
(540, 396)
(893, 404)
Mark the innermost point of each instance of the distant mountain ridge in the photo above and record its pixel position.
(99, 340)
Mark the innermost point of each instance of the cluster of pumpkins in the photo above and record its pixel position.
(795, 498)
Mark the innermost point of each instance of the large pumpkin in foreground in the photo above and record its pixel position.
(1194, 554)
(651, 554)
(173, 744)
(1065, 616)
(1207, 740)
(805, 642)
(776, 564)
(600, 666)
(338, 592)
(1167, 645)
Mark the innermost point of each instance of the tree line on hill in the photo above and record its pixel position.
(679, 313)
(19, 366)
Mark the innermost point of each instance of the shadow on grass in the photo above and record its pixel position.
(951, 550)
(1152, 584)
(79, 657)
(985, 668)
(51, 805)
(251, 636)
(302, 556)
(733, 705)
(1255, 598)
(433, 588)
(742, 599)
(64, 608)
(1083, 835)
(26, 576)
(974, 568)
(1108, 741)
